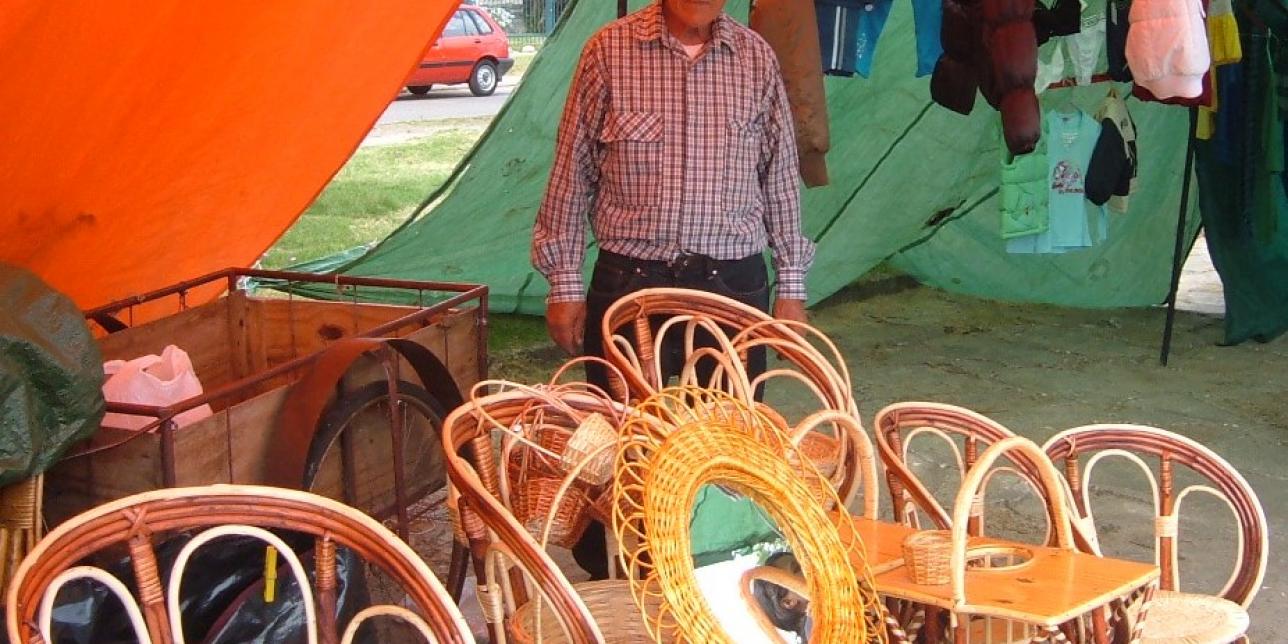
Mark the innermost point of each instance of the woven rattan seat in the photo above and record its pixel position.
(609, 603)
(1186, 618)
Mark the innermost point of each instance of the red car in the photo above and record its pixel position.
(473, 49)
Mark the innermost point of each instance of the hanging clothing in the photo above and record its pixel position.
(1111, 174)
(927, 18)
(1223, 33)
(1279, 59)
(791, 29)
(1024, 193)
(990, 45)
(1061, 18)
(1085, 47)
(1223, 38)
(1050, 71)
(1167, 47)
(1070, 142)
(838, 34)
(849, 30)
(1117, 25)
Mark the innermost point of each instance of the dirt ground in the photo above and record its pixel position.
(1041, 369)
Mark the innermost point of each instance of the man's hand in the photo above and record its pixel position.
(793, 310)
(566, 322)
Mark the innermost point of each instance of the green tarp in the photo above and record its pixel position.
(911, 181)
(51, 375)
(1245, 209)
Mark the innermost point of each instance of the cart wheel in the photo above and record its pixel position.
(351, 456)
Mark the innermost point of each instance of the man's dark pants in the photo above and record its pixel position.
(617, 275)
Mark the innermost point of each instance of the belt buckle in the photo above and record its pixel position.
(680, 262)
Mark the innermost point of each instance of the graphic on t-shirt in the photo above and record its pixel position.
(1067, 179)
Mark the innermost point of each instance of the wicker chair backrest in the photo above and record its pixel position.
(213, 512)
(514, 566)
(635, 326)
(1082, 448)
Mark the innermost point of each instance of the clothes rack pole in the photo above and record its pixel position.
(1178, 259)
(621, 8)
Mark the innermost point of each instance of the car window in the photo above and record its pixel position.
(456, 26)
(480, 22)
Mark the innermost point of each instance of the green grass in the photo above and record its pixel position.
(376, 191)
(521, 63)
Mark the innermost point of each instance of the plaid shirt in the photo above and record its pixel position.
(666, 155)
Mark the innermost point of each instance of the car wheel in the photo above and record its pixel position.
(419, 90)
(483, 79)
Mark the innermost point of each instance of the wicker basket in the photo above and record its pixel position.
(593, 443)
(928, 557)
(532, 504)
(822, 450)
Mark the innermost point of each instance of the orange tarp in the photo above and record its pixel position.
(143, 143)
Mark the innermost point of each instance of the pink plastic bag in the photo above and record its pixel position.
(152, 380)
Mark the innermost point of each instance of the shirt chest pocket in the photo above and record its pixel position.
(741, 190)
(630, 175)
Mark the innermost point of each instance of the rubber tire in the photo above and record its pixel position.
(341, 410)
(487, 69)
(419, 90)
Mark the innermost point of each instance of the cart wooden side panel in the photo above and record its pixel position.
(229, 339)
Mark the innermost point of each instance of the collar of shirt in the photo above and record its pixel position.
(650, 26)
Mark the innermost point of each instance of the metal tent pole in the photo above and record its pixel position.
(1177, 259)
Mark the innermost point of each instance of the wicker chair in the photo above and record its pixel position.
(524, 595)
(897, 426)
(219, 511)
(967, 434)
(1175, 616)
(634, 329)
(972, 624)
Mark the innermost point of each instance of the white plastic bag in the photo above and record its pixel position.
(152, 380)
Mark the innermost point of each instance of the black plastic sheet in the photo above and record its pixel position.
(221, 596)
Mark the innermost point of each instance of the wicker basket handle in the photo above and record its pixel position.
(1057, 506)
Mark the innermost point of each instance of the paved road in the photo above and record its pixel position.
(446, 102)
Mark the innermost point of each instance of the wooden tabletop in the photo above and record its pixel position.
(1051, 588)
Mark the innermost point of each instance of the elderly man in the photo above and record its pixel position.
(677, 145)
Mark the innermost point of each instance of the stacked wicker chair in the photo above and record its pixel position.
(212, 512)
(528, 467)
(636, 327)
(1175, 616)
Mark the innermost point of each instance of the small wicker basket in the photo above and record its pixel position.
(928, 555)
(534, 500)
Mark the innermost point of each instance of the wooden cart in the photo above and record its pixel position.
(300, 389)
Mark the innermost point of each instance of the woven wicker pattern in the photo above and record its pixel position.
(525, 596)
(686, 438)
(928, 555)
(1082, 448)
(139, 521)
(21, 524)
(636, 326)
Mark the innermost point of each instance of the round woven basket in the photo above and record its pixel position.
(532, 504)
(927, 555)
